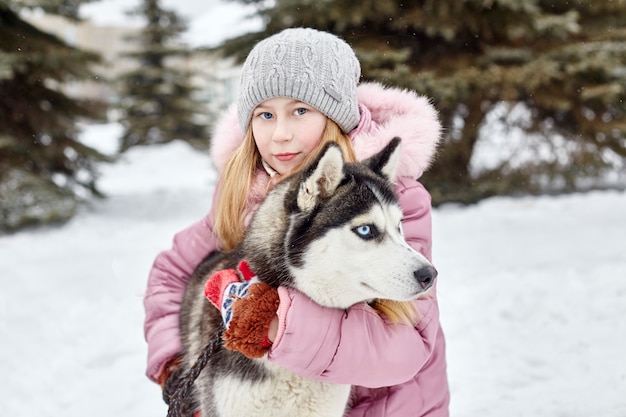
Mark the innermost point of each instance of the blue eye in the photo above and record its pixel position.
(300, 111)
(366, 231)
(266, 115)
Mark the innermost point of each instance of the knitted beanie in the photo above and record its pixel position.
(314, 67)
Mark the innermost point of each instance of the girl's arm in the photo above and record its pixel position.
(417, 215)
(166, 285)
(357, 346)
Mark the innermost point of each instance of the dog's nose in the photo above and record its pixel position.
(425, 276)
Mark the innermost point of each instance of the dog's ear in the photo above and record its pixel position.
(321, 178)
(386, 161)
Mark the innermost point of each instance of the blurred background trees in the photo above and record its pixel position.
(45, 170)
(157, 96)
(531, 93)
(43, 166)
(553, 73)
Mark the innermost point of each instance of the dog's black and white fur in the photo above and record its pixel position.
(332, 231)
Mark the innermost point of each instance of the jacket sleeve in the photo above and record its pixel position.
(357, 346)
(416, 207)
(166, 285)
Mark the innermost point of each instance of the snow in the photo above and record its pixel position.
(533, 300)
(532, 296)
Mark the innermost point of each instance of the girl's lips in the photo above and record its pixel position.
(284, 157)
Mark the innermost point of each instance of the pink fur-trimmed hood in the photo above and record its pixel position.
(385, 114)
(401, 113)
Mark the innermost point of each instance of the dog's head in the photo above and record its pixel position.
(341, 238)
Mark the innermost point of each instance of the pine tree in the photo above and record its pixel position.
(563, 61)
(43, 166)
(157, 97)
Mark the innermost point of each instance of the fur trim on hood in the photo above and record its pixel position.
(385, 114)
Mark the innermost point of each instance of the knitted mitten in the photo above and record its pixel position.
(247, 308)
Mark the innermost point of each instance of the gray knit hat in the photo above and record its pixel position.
(314, 67)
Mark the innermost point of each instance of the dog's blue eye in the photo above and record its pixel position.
(366, 231)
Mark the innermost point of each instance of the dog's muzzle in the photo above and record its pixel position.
(425, 276)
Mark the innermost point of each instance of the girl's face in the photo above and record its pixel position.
(286, 131)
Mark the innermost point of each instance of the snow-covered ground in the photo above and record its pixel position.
(532, 293)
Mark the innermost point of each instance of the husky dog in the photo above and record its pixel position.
(333, 232)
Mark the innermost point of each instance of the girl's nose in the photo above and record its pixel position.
(282, 132)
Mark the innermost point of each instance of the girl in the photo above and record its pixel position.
(299, 89)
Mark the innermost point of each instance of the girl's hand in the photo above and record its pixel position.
(248, 309)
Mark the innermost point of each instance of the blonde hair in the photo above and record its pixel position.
(231, 202)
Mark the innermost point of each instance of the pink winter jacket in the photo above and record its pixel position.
(397, 370)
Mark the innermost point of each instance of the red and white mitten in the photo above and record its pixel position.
(226, 286)
(247, 307)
